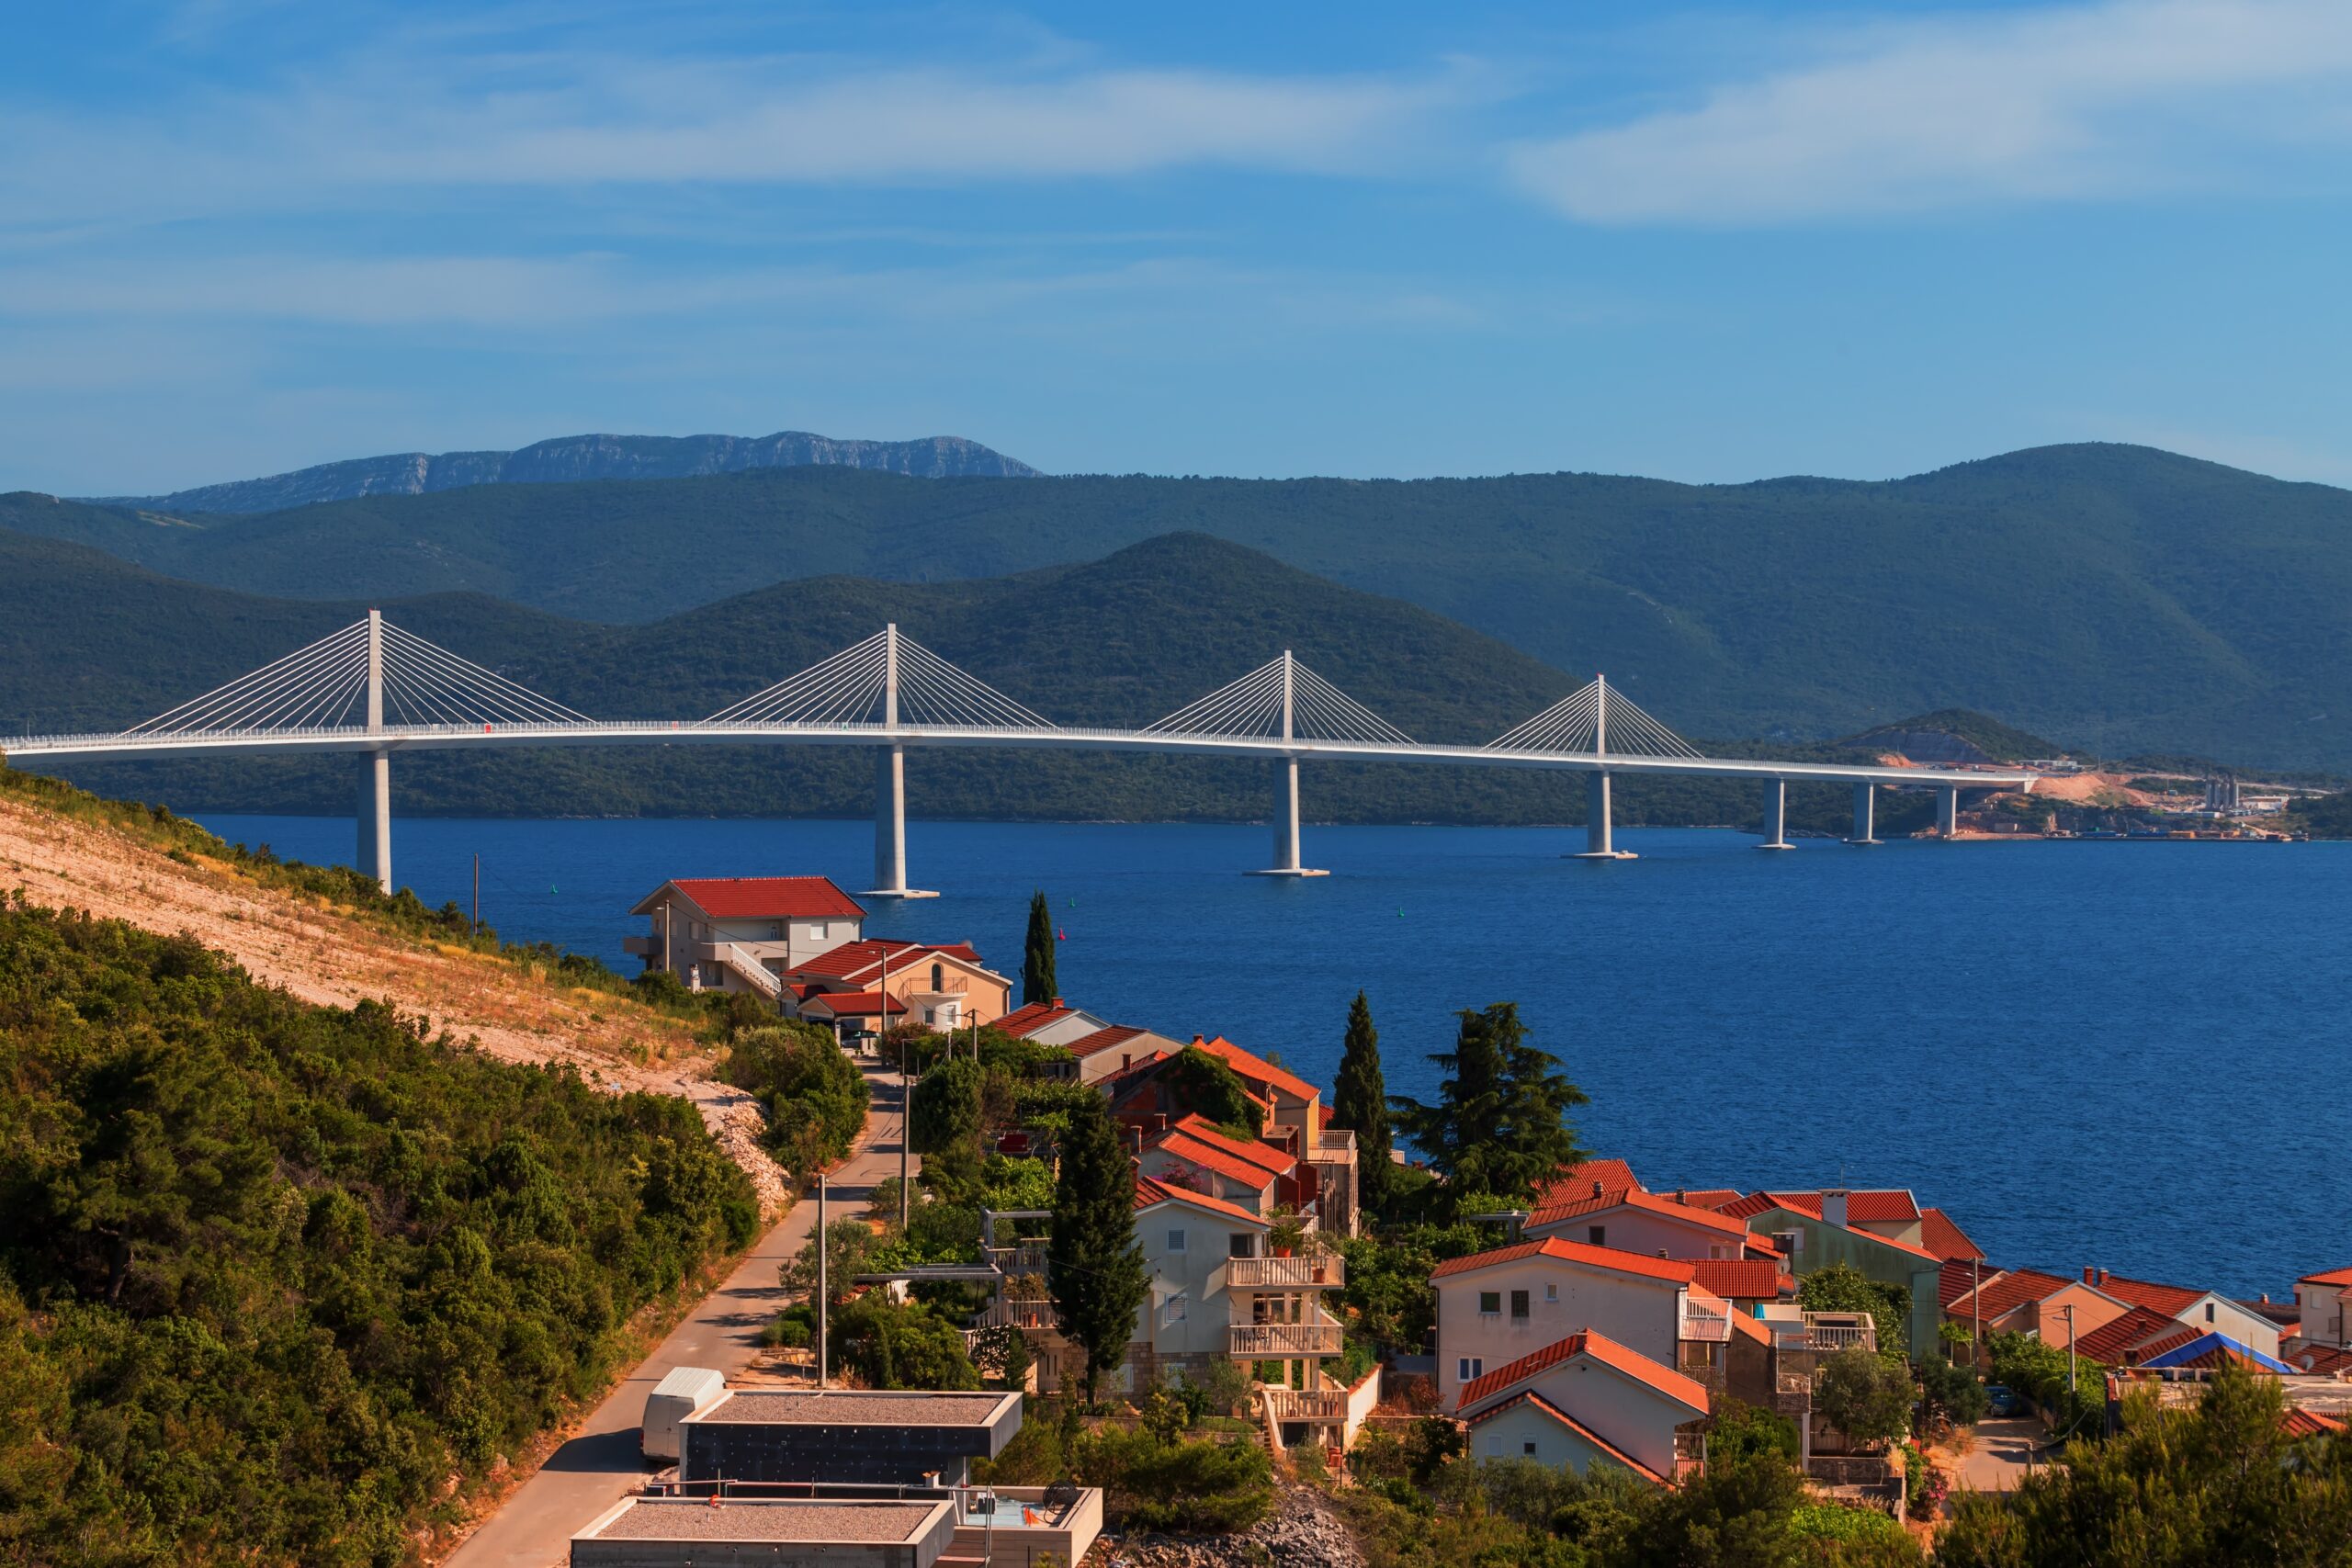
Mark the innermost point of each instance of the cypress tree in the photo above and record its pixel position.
(1037, 982)
(1499, 1125)
(1092, 1266)
(1360, 1101)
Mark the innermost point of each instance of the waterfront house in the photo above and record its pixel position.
(1494, 1307)
(2054, 1308)
(1049, 1024)
(1298, 1121)
(2208, 1312)
(1642, 1222)
(942, 985)
(739, 932)
(2324, 1315)
(1587, 1400)
(1888, 1211)
(1196, 1155)
(1812, 1236)
(1111, 1050)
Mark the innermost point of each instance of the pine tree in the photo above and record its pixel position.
(1360, 1101)
(1092, 1265)
(1499, 1125)
(1037, 982)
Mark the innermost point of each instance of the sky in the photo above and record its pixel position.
(1711, 243)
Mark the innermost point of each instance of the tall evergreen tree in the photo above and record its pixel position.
(1092, 1265)
(1360, 1100)
(1499, 1125)
(1037, 982)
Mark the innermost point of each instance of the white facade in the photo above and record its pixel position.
(1645, 1232)
(1185, 1250)
(2215, 1314)
(1629, 1414)
(696, 948)
(2328, 1312)
(1489, 1317)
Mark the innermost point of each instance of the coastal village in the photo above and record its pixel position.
(1308, 1295)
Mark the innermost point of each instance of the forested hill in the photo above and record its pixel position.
(2120, 597)
(87, 641)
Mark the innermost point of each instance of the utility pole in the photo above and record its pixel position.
(2069, 1311)
(476, 893)
(823, 1294)
(906, 1097)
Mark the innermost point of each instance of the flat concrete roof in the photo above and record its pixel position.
(761, 1519)
(847, 1407)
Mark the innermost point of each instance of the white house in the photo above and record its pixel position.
(1636, 1221)
(2325, 1302)
(1494, 1307)
(712, 932)
(1587, 1400)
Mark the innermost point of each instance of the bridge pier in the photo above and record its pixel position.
(1286, 818)
(374, 857)
(1865, 814)
(1946, 809)
(1600, 841)
(891, 827)
(1776, 815)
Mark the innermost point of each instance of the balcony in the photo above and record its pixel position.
(641, 946)
(1828, 1331)
(1021, 1257)
(1005, 1311)
(1316, 1270)
(1327, 1404)
(1319, 1336)
(1704, 1324)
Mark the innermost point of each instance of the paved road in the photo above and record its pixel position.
(1998, 1460)
(599, 1465)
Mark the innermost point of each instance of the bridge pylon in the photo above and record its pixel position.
(374, 854)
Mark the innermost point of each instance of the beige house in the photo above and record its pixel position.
(1642, 1222)
(1586, 1400)
(2326, 1304)
(941, 987)
(1494, 1307)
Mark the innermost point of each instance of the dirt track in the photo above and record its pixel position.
(335, 959)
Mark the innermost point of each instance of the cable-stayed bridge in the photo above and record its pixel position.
(372, 690)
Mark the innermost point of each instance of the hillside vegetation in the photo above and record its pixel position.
(276, 1279)
(86, 641)
(2124, 598)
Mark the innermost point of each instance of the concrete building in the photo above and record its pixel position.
(2324, 1301)
(1586, 1400)
(1494, 1307)
(842, 1436)
(739, 932)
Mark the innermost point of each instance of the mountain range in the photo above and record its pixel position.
(570, 458)
(2119, 598)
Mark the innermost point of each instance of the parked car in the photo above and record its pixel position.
(2000, 1399)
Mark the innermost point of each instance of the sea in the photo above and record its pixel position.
(2125, 1055)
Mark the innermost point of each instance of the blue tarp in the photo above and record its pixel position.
(2204, 1345)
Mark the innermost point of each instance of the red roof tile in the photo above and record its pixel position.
(1263, 1155)
(853, 960)
(2170, 1300)
(1030, 1016)
(1578, 1181)
(2113, 1344)
(1567, 1251)
(1600, 1348)
(1958, 1279)
(2325, 1359)
(1150, 1193)
(853, 1004)
(1939, 1236)
(2298, 1422)
(2184, 1334)
(1757, 1204)
(1738, 1278)
(1258, 1068)
(2333, 1277)
(1705, 1196)
(2006, 1291)
(1863, 1205)
(1103, 1040)
(1196, 1151)
(762, 898)
(1538, 1402)
(1631, 1198)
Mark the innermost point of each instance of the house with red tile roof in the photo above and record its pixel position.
(2325, 1309)
(1198, 1155)
(1891, 1212)
(1810, 1231)
(1585, 1400)
(709, 930)
(2054, 1308)
(2128, 1340)
(1941, 1235)
(1641, 1222)
(1590, 1178)
(2208, 1312)
(1494, 1307)
(1298, 1119)
(1111, 1050)
(944, 985)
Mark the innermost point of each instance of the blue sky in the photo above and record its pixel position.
(1710, 243)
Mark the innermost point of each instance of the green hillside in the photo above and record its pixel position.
(1120, 641)
(2126, 598)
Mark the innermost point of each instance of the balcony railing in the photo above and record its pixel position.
(1005, 1311)
(1307, 1404)
(1703, 1323)
(1278, 1341)
(1319, 1270)
(1022, 1258)
(1336, 1144)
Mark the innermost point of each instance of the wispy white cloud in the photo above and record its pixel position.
(2098, 101)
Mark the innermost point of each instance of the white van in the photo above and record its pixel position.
(684, 1391)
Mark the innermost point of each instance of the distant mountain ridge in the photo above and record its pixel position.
(570, 458)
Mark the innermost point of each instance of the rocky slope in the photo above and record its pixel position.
(574, 458)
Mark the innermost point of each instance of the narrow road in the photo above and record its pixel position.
(2004, 1454)
(599, 1465)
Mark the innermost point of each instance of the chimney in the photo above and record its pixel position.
(1661, 1252)
(1832, 1207)
(1058, 1002)
(2090, 1275)
(2102, 1279)
(1199, 1040)
(1596, 1187)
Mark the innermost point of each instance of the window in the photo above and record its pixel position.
(1242, 1244)
(938, 977)
(818, 929)
(776, 931)
(1551, 1293)
(1788, 1242)
(1469, 1366)
(1176, 1241)
(1527, 1449)
(2208, 1312)
(1597, 1235)
(1490, 1304)
(1172, 1309)
(1519, 1304)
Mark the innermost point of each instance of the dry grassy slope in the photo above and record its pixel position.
(337, 958)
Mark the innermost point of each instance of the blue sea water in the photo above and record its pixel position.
(2128, 1055)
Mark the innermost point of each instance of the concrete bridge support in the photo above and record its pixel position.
(1600, 841)
(374, 859)
(1948, 809)
(1865, 814)
(1286, 818)
(891, 827)
(1776, 815)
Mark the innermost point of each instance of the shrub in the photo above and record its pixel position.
(888, 1346)
(1864, 1395)
(1200, 1487)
